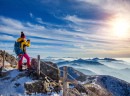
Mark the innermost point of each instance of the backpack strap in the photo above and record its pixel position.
(21, 56)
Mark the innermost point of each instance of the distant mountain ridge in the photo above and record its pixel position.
(80, 61)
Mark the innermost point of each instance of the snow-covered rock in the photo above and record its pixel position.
(12, 84)
(35, 86)
(114, 85)
(105, 85)
(53, 72)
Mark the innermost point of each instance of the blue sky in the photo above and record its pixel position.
(67, 28)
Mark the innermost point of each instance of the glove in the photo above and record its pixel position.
(28, 40)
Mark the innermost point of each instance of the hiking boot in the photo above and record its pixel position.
(20, 69)
(29, 68)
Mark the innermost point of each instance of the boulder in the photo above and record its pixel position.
(11, 59)
(45, 68)
(37, 86)
(33, 87)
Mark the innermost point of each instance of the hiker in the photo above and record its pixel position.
(24, 43)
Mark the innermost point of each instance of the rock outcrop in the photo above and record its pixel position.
(98, 90)
(45, 68)
(42, 86)
(105, 85)
(33, 87)
(114, 85)
(9, 58)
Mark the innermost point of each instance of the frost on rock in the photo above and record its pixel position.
(114, 85)
(105, 85)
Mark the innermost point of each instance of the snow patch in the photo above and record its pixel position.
(15, 87)
(6, 63)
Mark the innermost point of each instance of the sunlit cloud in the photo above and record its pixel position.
(108, 4)
(79, 21)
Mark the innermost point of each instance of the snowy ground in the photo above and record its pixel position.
(15, 87)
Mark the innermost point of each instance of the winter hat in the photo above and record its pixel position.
(22, 35)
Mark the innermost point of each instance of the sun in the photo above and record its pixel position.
(120, 27)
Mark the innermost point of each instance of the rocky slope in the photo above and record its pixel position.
(107, 85)
(101, 85)
(10, 60)
(114, 85)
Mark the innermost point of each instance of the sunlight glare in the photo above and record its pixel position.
(121, 27)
